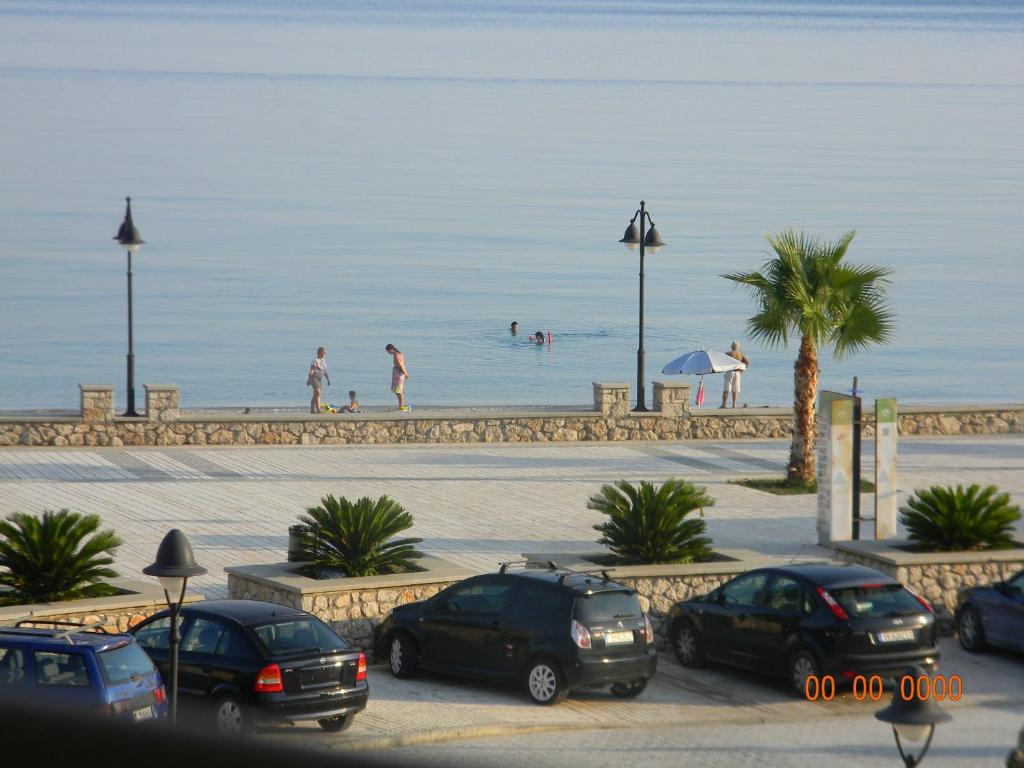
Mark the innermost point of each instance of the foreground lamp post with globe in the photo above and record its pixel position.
(174, 565)
(647, 240)
(914, 718)
(128, 237)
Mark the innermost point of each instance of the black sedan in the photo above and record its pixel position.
(808, 619)
(252, 663)
(993, 616)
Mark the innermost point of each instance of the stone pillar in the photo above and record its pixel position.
(672, 398)
(161, 402)
(97, 402)
(612, 400)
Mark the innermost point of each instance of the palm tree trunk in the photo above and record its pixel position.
(805, 380)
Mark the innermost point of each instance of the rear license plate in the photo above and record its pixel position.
(896, 636)
(321, 676)
(146, 713)
(618, 638)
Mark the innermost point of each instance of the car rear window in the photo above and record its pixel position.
(297, 635)
(877, 600)
(124, 663)
(607, 606)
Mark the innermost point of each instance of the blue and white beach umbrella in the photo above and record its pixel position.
(701, 361)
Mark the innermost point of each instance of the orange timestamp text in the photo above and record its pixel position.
(871, 688)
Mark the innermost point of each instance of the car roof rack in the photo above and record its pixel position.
(586, 572)
(95, 627)
(550, 565)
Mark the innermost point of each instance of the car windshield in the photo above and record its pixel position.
(607, 606)
(124, 663)
(297, 635)
(873, 601)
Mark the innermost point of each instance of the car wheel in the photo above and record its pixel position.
(403, 655)
(687, 645)
(545, 683)
(230, 717)
(970, 630)
(629, 690)
(336, 724)
(802, 665)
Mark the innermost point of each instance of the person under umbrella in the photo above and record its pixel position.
(732, 378)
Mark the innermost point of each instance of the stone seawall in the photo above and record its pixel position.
(610, 419)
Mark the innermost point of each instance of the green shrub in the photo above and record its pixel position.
(649, 525)
(357, 538)
(953, 519)
(58, 556)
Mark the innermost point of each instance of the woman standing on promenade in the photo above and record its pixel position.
(317, 372)
(399, 375)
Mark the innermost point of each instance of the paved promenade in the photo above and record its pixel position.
(473, 504)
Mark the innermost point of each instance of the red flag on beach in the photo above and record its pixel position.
(700, 392)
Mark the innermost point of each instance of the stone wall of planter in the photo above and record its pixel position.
(112, 614)
(610, 419)
(938, 577)
(355, 606)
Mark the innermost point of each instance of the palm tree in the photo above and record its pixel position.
(806, 290)
(649, 524)
(48, 558)
(356, 537)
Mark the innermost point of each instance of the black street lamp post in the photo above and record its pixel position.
(174, 564)
(913, 717)
(649, 240)
(128, 237)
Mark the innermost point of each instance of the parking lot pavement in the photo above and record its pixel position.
(407, 715)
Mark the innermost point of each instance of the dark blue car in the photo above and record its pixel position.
(993, 616)
(80, 670)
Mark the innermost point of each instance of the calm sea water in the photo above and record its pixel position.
(423, 173)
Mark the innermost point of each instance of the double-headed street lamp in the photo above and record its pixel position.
(128, 237)
(913, 717)
(647, 240)
(174, 564)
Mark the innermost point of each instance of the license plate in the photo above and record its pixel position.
(896, 636)
(618, 638)
(146, 713)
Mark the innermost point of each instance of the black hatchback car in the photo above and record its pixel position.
(252, 663)
(808, 619)
(551, 629)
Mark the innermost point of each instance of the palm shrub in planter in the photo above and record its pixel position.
(957, 519)
(357, 538)
(648, 524)
(59, 556)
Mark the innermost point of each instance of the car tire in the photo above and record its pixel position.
(802, 664)
(629, 690)
(336, 724)
(403, 655)
(970, 630)
(686, 642)
(230, 717)
(545, 682)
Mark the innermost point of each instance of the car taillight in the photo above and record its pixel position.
(836, 608)
(648, 631)
(268, 680)
(922, 601)
(160, 695)
(361, 668)
(580, 634)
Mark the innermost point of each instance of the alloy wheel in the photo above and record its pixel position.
(803, 667)
(686, 644)
(396, 655)
(230, 718)
(543, 682)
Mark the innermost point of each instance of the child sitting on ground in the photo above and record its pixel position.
(353, 404)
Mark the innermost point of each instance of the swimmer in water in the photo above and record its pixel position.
(514, 328)
(538, 337)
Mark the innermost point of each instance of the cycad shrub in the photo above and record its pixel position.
(357, 538)
(58, 556)
(957, 519)
(649, 524)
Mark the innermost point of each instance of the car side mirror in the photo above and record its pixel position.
(453, 607)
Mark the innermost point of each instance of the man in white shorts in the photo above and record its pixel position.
(732, 378)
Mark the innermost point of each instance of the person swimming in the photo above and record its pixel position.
(514, 328)
(538, 337)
